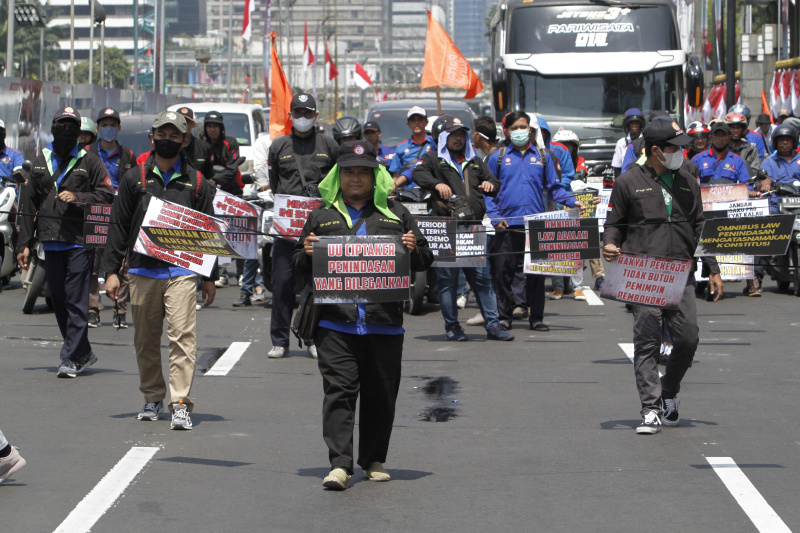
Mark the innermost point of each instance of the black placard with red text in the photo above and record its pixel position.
(564, 240)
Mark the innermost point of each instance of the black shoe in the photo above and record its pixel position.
(120, 322)
(651, 424)
(243, 301)
(539, 326)
(94, 319)
(598, 283)
(455, 333)
(669, 411)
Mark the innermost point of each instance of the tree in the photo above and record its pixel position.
(118, 70)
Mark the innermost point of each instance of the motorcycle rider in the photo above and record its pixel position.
(632, 125)
(197, 152)
(753, 137)
(88, 133)
(719, 161)
(738, 125)
(701, 137)
(9, 158)
(224, 153)
(63, 179)
(347, 129)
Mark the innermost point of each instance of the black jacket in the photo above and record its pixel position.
(325, 222)
(432, 170)
(637, 217)
(225, 152)
(189, 189)
(198, 155)
(59, 221)
(317, 154)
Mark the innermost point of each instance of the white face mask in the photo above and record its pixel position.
(303, 124)
(672, 161)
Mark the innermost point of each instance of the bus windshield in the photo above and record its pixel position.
(591, 28)
(595, 98)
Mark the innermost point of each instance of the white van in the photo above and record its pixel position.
(244, 122)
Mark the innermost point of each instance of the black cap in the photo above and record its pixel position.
(187, 113)
(665, 131)
(454, 124)
(213, 117)
(68, 113)
(303, 101)
(109, 113)
(357, 154)
(763, 118)
(720, 126)
(372, 125)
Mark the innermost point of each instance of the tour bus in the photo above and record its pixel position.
(580, 64)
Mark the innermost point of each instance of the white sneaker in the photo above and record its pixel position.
(278, 351)
(259, 295)
(180, 417)
(651, 424)
(221, 282)
(312, 351)
(462, 300)
(477, 320)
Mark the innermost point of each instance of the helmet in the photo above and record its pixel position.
(436, 126)
(736, 118)
(346, 127)
(566, 136)
(784, 130)
(698, 128)
(743, 109)
(633, 115)
(88, 125)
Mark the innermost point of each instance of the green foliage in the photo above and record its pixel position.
(27, 46)
(118, 69)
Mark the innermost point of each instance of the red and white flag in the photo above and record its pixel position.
(786, 90)
(247, 30)
(330, 67)
(308, 57)
(362, 79)
(775, 95)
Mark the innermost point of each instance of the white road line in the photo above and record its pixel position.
(592, 298)
(105, 493)
(228, 359)
(627, 347)
(747, 496)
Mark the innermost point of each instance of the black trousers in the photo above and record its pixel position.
(507, 273)
(282, 292)
(349, 364)
(68, 275)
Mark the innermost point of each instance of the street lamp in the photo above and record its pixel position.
(97, 15)
(31, 16)
(203, 55)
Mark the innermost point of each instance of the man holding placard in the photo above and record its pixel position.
(656, 210)
(360, 346)
(157, 288)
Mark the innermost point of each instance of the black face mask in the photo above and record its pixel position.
(64, 140)
(166, 148)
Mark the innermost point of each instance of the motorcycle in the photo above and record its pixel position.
(266, 200)
(785, 269)
(423, 284)
(8, 211)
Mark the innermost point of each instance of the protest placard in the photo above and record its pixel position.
(453, 245)
(173, 227)
(722, 193)
(768, 235)
(197, 263)
(290, 214)
(601, 214)
(243, 220)
(586, 197)
(96, 218)
(731, 268)
(550, 268)
(645, 280)
(361, 269)
(561, 240)
(742, 208)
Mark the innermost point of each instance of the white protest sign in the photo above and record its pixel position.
(290, 214)
(602, 208)
(550, 268)
(243, 219)
(645, 280)
(756, 207)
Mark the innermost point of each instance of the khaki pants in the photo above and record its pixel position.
(151, 300)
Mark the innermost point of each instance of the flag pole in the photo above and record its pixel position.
(438, 101)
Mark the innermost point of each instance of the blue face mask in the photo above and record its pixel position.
(108, 133)
(520, 137)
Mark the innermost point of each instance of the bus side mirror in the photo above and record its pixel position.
(694, 82)
(500, 86)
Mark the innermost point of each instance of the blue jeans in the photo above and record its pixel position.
(462, 285)
(250, 277)
(576, 282)
(481, 283)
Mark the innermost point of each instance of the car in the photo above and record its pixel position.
(244, 122)
(392, 116)
(135, 132)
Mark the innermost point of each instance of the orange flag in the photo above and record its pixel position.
(444, 64)
(280, 96)
(765, 106)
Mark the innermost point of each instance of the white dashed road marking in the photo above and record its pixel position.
(627, 347)
(592, 298)
(228, 359)
(747, 496)
(105, 493)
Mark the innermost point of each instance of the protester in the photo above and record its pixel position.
(719, 162)
(224, 153)
(11, 461)
(765, 128)
(523, 174)
(9, 158)
(411, 150)
(64, 178)
(197, 153)
(360, 346)
(446, 174)
(663, 220)
(372, 133)
(118, 160)
(88, 134)
(297, 164)
(632, 125)
(159, 289)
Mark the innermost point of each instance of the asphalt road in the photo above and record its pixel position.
(533, 435)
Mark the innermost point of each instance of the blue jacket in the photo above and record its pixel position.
(781, 171)
(567, 167)
(406, 153)
(9, 159)
(755, 138)
(523, 179)
(731, 167)
(630, 158)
